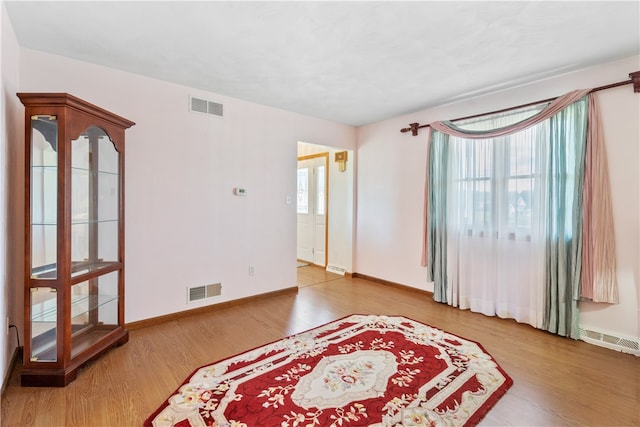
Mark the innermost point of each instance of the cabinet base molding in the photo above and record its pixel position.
(62, 377)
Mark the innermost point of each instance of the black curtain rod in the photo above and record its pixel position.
(634, 78)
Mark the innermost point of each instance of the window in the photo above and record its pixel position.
(303, 191)
(320, 191)
(495, 178)
(504, 209)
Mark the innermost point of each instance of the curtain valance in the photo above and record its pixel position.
(553, 108)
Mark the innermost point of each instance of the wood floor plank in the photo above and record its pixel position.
(557, 381)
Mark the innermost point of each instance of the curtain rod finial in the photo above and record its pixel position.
(413, 127)
(635, 78)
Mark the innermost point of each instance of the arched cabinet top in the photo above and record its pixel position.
(78, 115)
(73, 103)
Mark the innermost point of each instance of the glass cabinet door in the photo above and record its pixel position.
(94, 203)
(94, 310)
(94, 237)
(44, 196)
(44, 324)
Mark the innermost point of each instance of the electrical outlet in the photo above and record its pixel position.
(252, 271)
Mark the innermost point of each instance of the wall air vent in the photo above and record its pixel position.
(198, 293)
(205, 106)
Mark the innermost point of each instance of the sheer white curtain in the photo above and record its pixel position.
(496, 203)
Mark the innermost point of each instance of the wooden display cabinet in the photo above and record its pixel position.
(74, 236)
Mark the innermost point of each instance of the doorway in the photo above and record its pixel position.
(312, 200)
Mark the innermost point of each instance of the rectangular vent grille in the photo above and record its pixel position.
(207, 107)
(198, 293)
(335, 269)
(214, 108)
(623, 344)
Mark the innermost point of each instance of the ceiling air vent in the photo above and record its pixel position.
(205, 106)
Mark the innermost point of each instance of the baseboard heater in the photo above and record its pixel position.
(336, 270)
(605, 339)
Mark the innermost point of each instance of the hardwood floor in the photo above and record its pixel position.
(557, 381)
(312, 275)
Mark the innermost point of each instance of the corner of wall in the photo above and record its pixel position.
(11, 195)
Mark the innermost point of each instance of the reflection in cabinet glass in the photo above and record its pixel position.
(74, 287)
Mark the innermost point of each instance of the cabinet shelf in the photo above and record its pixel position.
(90, 171)
(81, 268)
(78, 268)
(80, 305)
(94, 221)
(82, 221)
(48, 271)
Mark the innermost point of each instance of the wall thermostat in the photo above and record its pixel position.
(240, 191)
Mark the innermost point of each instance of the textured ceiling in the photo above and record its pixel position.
(353, 62)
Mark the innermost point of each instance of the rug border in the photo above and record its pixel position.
(473, 420)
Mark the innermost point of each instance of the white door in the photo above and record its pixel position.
(312, 209)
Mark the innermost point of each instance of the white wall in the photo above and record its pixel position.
(340, 244)
(11, 194)
(184, 226)
(391, 174)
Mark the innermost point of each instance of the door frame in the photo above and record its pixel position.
(326, 199)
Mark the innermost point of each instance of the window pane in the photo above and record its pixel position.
(320, 179)
(303, 191)
(495, 177)
(482, 158)
(482, 204)
(520, 192)
(522, 159)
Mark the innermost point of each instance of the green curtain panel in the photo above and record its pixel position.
(565, 176)
(437, 218)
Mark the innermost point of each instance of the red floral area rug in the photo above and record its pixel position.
(362, 370)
